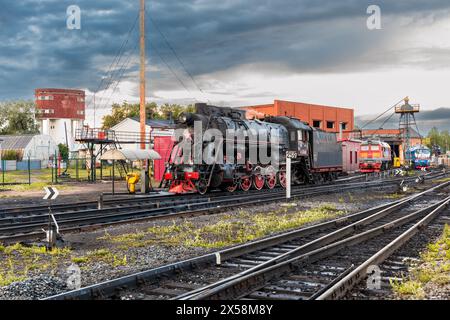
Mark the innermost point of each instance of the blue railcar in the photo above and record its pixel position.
(419, 157)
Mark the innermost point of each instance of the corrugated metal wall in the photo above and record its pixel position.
(162, 145)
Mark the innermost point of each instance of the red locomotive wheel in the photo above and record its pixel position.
(282, 179)
(258, 181)
(232, 187)
(271, 181)
(246, 183)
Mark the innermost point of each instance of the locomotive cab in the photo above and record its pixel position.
(375, 156)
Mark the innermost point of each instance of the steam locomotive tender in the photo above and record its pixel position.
(316, 155)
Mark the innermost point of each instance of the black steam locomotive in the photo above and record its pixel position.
(315, 155)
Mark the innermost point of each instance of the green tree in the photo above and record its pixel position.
(126, 110)
(440, 138)
(174, 110)
(63, 151)
(18, 117)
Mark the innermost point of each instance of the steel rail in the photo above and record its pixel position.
(160, 201)
(339, 289)
(153, 202)
(11, 211)
(239, 288)
(25, 231)
(209, 290)
(108, 288)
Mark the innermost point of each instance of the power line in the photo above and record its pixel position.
(385, 121)
(115, 61)
(172, 71)
(122, 69)
(176, 55)
(372, 121)
(117, 71)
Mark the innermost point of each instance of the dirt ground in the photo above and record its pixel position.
(68, 192)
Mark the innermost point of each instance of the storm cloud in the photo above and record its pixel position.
(214, 40)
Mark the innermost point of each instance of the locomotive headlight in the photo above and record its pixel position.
(183, 118)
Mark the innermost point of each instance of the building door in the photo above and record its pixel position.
(163, 145)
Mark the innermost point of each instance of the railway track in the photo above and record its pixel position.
(126, 201)
(252, 270)
(25, 225)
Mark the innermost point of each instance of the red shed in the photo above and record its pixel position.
(163, 145)
(350, 155)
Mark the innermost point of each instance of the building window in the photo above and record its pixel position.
(351, 157)
(45, 98)
(330, 124)
(356, 156)
(293, 136)
(316, 123)
(344, 125)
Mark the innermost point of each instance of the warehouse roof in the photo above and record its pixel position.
(132, 155)
(157, 123)
(16, 142)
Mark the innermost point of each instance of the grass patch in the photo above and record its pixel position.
(80, 260)
(230, 230)
(433, 268)
(16, 261)
(393, 196)
(442, 180)
(7, 279)
(408, 288)
(102, 255)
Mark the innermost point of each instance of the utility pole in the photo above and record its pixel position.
(142, 81)
(144, 177)
(94, 111)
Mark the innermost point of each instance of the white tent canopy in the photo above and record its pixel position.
(131, 155)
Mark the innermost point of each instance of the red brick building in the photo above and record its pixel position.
(323, 117)
(60, 111)
(60, 104)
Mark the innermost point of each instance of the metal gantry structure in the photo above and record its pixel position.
(98, 141)
(407, 121)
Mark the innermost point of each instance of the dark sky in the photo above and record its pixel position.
(238, 52)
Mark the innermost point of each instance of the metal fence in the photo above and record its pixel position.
(51, 171)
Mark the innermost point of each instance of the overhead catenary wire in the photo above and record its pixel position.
(384, 122)
(110, 73)
(115, 74)
(173, 72)
(382, 114)
(172, 49)
(123, 68)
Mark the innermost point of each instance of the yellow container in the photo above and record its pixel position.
(397, 163)
(132, 180)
